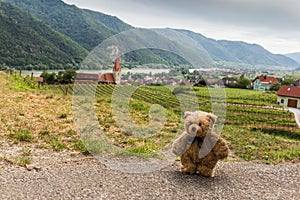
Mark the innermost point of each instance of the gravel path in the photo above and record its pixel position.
(89, 179)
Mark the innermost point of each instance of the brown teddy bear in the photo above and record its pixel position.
(199, 147)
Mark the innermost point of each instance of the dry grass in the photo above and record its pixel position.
(31, 117)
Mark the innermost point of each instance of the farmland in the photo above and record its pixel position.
(254, 126)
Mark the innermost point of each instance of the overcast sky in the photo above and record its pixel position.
(274, 24)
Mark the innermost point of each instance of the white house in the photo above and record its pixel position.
(289, 96)
(263, 82)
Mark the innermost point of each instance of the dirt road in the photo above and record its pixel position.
(89, 179)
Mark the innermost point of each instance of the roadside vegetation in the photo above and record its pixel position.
(256, 128)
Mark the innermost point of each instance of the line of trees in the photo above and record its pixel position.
(62, 77)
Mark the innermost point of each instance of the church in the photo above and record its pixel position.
(106, 78)
(112, 78)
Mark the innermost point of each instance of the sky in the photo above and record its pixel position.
(273, 24)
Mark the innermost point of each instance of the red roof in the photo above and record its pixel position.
(107, 78)
(267, 79)
(117, 66)
(289, 91)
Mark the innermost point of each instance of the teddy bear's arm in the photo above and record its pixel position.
(181, 144)
(221, 149)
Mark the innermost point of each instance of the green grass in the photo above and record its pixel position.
(260, 145)
(22, 135)
(18, 84)
(254, 133)
(22, 161)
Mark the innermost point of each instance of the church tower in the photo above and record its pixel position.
(117, 71)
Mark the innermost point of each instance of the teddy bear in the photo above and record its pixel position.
(199, 147)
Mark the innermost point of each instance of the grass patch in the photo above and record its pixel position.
(80, 146)
(57, 145)
(63, 116)
(22, 161)
(22, 135)
(26, 152)
(258, 145)
(19, 85)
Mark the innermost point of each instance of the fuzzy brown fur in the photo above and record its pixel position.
(199, 147)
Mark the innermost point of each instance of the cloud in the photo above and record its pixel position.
(264, 13)
(248, 20)
(267, 13)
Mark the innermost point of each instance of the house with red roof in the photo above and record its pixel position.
(263, 82)
(289, 96)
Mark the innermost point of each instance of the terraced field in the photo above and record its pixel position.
(254, 126)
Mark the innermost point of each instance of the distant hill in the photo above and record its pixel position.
(294, 56)
(88, 28)
(239, 52)
(26, 41)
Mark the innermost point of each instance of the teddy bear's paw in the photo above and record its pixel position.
(188, 170)
(223, 152)
(205, 171)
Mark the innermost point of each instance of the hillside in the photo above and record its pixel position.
(294, 56)
(239, 52)
(26, 41)
(87, 28)
(90, 28)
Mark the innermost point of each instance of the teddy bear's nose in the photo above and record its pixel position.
(194, 129)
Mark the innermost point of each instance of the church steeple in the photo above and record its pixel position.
(117, 67)
(117, 71)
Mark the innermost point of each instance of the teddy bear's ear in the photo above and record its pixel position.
(186, 114)
(213, 118)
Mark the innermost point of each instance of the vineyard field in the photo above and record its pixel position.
(253, 112)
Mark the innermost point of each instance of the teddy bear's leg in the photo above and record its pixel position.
(207, 165)
(188, 166)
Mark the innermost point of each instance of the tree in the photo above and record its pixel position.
(288, 81)
(244, 82)
(69, 76)
(275, 87)
(49, 78)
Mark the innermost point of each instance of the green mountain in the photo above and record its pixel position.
(239, 52)
(89, 28)
(86, 27)
(26, 42)
(111, 22)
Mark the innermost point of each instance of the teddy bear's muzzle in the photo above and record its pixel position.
(193, 129)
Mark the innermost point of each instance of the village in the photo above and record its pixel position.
(288, 90)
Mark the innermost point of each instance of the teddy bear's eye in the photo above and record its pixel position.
(199, 123)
